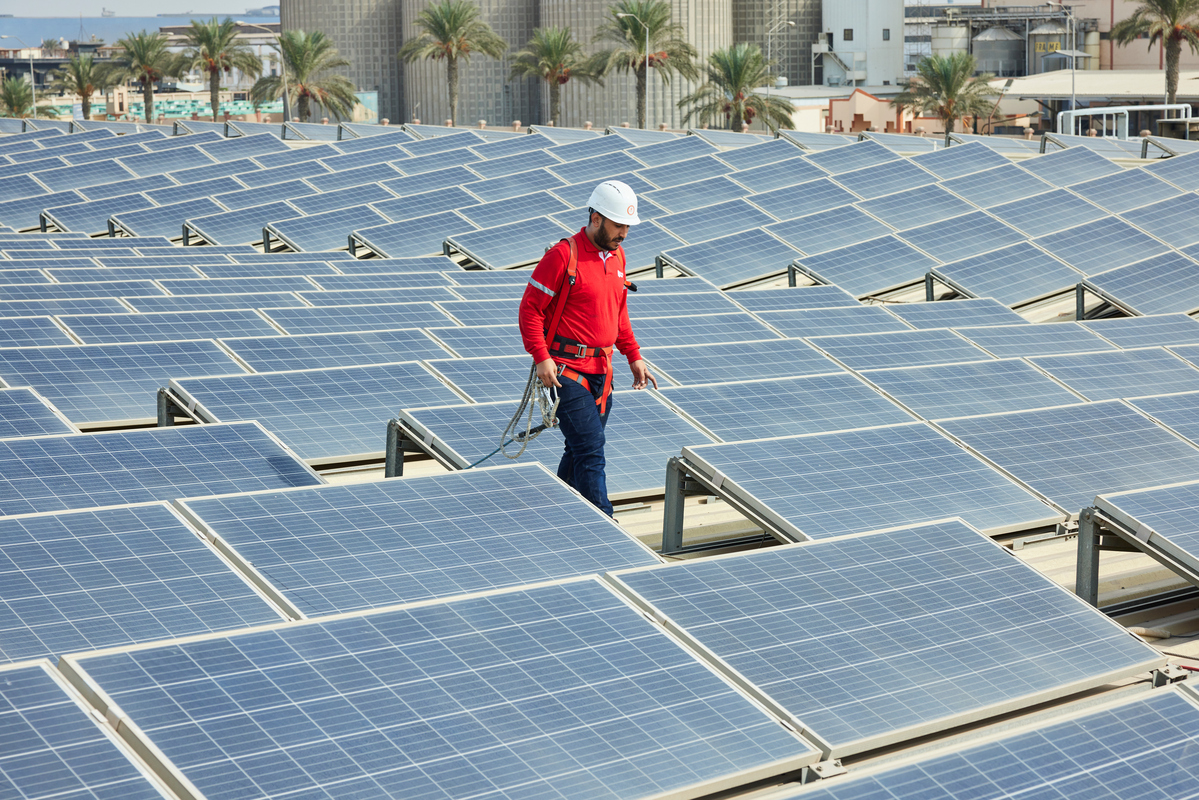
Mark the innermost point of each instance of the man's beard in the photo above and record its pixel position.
(605, 242)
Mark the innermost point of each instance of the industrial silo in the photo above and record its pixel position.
(1048, 37)
(1000, 51)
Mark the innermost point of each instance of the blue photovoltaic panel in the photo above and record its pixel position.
(322, 350)
(172, 160)
(575, 218)
(900, 587)
(22, 275)
(518, 162)
(869, 479)
(577, 194)
(1071, 166)
(18, 186)
(669, 304)
(1178, 411)
(1169, 220)
(1071, 453)
(869, 266)
(643, 433)
(428, 181)
(244, 146)
(1162, 330)
(54, 746)
(285, 267)
(899, 349)
(436, 161)
(480, 312)
(693, 195)
(511, 146)
(166, 220)
(24, 331)
(596, 169)
(1011, 274)
(489, 277)
(512, 245)
(424, 538)
(382, 280)
(800, 323)
(290, 156)
(485, 379)
(94, 275)
(759, 154)
(976, 387)
(425, 203)
(92, 216)
(916, 207)
(23, 412)
(961, 237)
(992, 187)
(714, 221)
(680, 149)
(852, 157)
(413, 237)
(735, 327)
(123, 328)
(241, 226)
(779, 174)
(339, 412)
(442, 141)
(758, 255)
(86, 305)
(644, 244)
(180, 140)
(1182, 171)
(86, 580)
(794, 298)
(735, 361)
(327, 231)
(817, 141)
(953, 162)
(491, 340)
(245, 198)
(1122, 373)
(214, 302)
(1048, 212)
(332, 319)
(1020, 341)
(191, 191)
(341, 198)
(496, 292)
(132, 185)
(1126, 190)
(266, 177)
(62, 291)
(886, 178)
(345, 297)
(24, 212)
(1165, 283)
(956, 313)
(829, 230)
(120, 467)
(589, 148)
(77, 177)
(682, 285)
(680, 172)
(364, 158)
(498, 724)
(513, 209)
(515, 184)
(1101, 245)
(438, 263)
(375, 173)
(21, 265)
(801, 199)
(815, 404)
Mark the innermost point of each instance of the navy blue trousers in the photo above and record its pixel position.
(582, 464)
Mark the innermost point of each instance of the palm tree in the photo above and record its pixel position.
(947, 88)
(1171, 21)
(16, 100)
(728, 95)
(305, 60)
(626, 29)
(84, 77)
(554, 56)
(144, 57)
(451, 29)
(213, 48)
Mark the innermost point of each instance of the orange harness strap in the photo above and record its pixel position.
(571, 349)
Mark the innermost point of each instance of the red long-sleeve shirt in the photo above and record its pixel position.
(595, 312)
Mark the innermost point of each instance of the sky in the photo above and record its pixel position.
(130, 8)
(64, 24)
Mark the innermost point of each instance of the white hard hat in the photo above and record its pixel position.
(616, 201)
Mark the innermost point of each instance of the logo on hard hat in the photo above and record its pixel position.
(632, 210)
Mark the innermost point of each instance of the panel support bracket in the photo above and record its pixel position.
(168, 409)
(824, 769)
(398, 443)
(679, 486)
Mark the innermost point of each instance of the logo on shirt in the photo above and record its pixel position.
(619, 274)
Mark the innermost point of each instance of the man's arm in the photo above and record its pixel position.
(642, 377)
(539, 294)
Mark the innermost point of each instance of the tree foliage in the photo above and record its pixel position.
(728, 98)
(307, 61)
(554, 56)
(452, 30)
(1170, 21)
(946, 87)
(84, 77)
(624, 30)
(145, 58)
(16, 100)
(214, 49)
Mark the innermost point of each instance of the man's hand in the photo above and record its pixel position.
(642, 377)
(547, 373)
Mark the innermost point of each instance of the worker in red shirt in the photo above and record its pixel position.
(571, 316)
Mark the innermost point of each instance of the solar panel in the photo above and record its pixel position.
(295, 156)
(1069, 167)
(655, 286)
(838, 160)
(525, 749)
(867, 267)
(24, 212)
(674, 150)
(87, 580)
(779, 174)
(961, 237)
(24, 331)
(597, 168)
(644, 244)
(670, 304)
(1161, 284)
(680, 172)
(425, 203)
(1169, 220)
(155, 327)
(512, 164)
(577, 194)
(325, 231)
(898, 349)
(62, 291)
(587, 148)
(240, 226)
(382, 280)
(953, 162)
(1011, 274)
(714, 221)
(87, 305)
(346, 297)
(244, 146)
(24, 412)
(687, 196)
(428, 181)
(642, 433)
(1162, 330)
(120, 467)
(322, 350)
(396, 265)
(508, 246)
(34, 163)
(484, 379)
(413, 237)
(829, 230)
(192, 191)
(992, 187)
(374, 173)
(915, 207)
(885, 178)
(1048, 212)
(956, 313)
(441, 141)
(1125, 190)
(332, 319)
(1182, 171)
(512, 292)
(365, 158)
(341, 198)
(436, 161)
(165, 220)
(1102, 245)
(19, 186)
(1176, 411)
(180, 140)
(791, 201)
(758, 153)
(214, 302)
(82, 175)
(866, 479)
(92, 216)
(22, 275)
(736, 361)
(1121, 373)
(98, 274)
(901, 588)
(1020, 341)
(734, 327)
(513, 209)
(758, 255)
(490, 340)
(57, 747)
(303, 169)
(800, 323)
(793, 298)
(480, 312)
(129, 186)
(172, 160)
(372, 136)
(245, 198)
(1066, 453)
